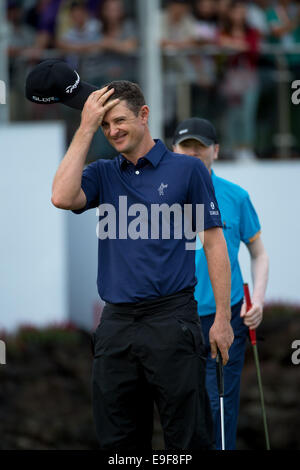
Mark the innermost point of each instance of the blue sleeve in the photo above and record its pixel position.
(249, 222)
(201, 191)
(90, 184)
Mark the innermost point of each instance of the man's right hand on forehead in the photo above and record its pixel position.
(95, 108)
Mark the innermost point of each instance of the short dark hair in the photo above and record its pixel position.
(129, 92)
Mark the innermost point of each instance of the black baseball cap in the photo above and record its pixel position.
(198, 129)
(53, 81)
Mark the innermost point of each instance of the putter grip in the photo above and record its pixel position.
(252, 333)
(220, 374)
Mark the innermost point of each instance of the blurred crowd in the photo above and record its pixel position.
(213, 58)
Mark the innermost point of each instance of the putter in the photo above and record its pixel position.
(220, 381)
(252, 334)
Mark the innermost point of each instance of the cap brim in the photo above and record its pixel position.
(203, 140)
(77, 101)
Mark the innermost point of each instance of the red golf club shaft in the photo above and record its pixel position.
(252, 333)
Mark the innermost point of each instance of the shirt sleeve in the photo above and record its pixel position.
(90, 184)
(249, 222)
(201, 191)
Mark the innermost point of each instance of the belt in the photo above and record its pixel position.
(179, 298)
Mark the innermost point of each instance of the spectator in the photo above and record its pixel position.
(64, 23)
(85, 32)
(256, 16)
(206, 32)
(119, 33)
(177, 26)
(105, 43)
(240, 83)
(83, 38)
(33, 14)
(46, 16)
(21, 41)
(284, 23)
(177, 32)
(20, 36)
(222, 7)
(46, 22)
(119, 41)
(206, 29)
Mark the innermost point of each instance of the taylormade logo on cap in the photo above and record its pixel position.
(71, 88)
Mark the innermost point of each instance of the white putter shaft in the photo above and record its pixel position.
(220, 382)
(222, 422)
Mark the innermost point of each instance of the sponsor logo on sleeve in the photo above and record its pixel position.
(213, 211)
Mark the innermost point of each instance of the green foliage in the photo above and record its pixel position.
(280, 309)
(29, 337)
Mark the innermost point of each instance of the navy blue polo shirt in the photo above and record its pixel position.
(137, 260)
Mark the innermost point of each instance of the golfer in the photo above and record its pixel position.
(197, 137)
(150, 330)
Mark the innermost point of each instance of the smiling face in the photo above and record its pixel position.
(194, 148)
(126, 131)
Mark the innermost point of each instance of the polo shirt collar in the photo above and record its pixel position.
(154, 155)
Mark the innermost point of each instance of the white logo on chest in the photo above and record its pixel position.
(161, 189)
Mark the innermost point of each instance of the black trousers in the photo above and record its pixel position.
(152, 347)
